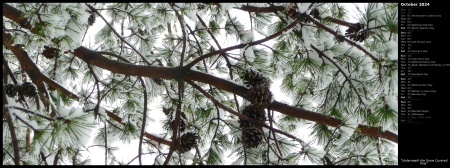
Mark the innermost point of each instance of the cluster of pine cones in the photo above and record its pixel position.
(354, 33)
(260, 97)
(27, 89)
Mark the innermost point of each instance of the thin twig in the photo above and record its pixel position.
(14, 141)
(55, 161)
(6, 66)
(44, 159)
(378, 151)
(174, 143)
(180, 19)
(106, 144)
(32, 112)
(273, 133)
(74, 158)
(144, 119)
(138, 156)
(340, 70)
(23, 121)
(118, 35)
(197, 151)
(226, 58)
(97, 81)
(243, 45)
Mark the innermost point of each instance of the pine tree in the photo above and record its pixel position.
(159, 76)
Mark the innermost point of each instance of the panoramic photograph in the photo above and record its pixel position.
(200, 84)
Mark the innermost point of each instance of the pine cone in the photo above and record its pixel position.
(50, 53)
(188, 141)
(200, 6)
(252, 137)
(28, 89)
(361, 36)
(259, 96)
(252, 133)
(91, 19)
(158, 81)
(142, 32)
(167, 111)
(316, 14)
(253, 78)
(353, 32)
(252, 112)
(353, 28)
(11, 90)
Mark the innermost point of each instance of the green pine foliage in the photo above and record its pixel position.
(196, 55)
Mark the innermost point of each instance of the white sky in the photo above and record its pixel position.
(127, 152)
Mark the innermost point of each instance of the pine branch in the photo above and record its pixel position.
(378, 151)
(138, 156)
(74, 158)
(7, 71)
(304, 93)
(206, 69)
(273, 133)
(106, 145)
(180, 19)
(175, 140)
(197, 152)
(339, 94)
(219, 47)
(286, 11)
(55, 161)
(98, 90)
(171, 73)
(14, 140)
(242, 45)
(144, 120)
(261, 9)
(43, 158)
(245, 155)
(321, 54)
(15, 15)
(118, 35)
(271, 148)
(209, 31)
(32, 112)
(28, 140)
(23, 121)
(41, 77)
(145, 106)
(320, 25)
(234, 25)
(242, 116)
(31, 68)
